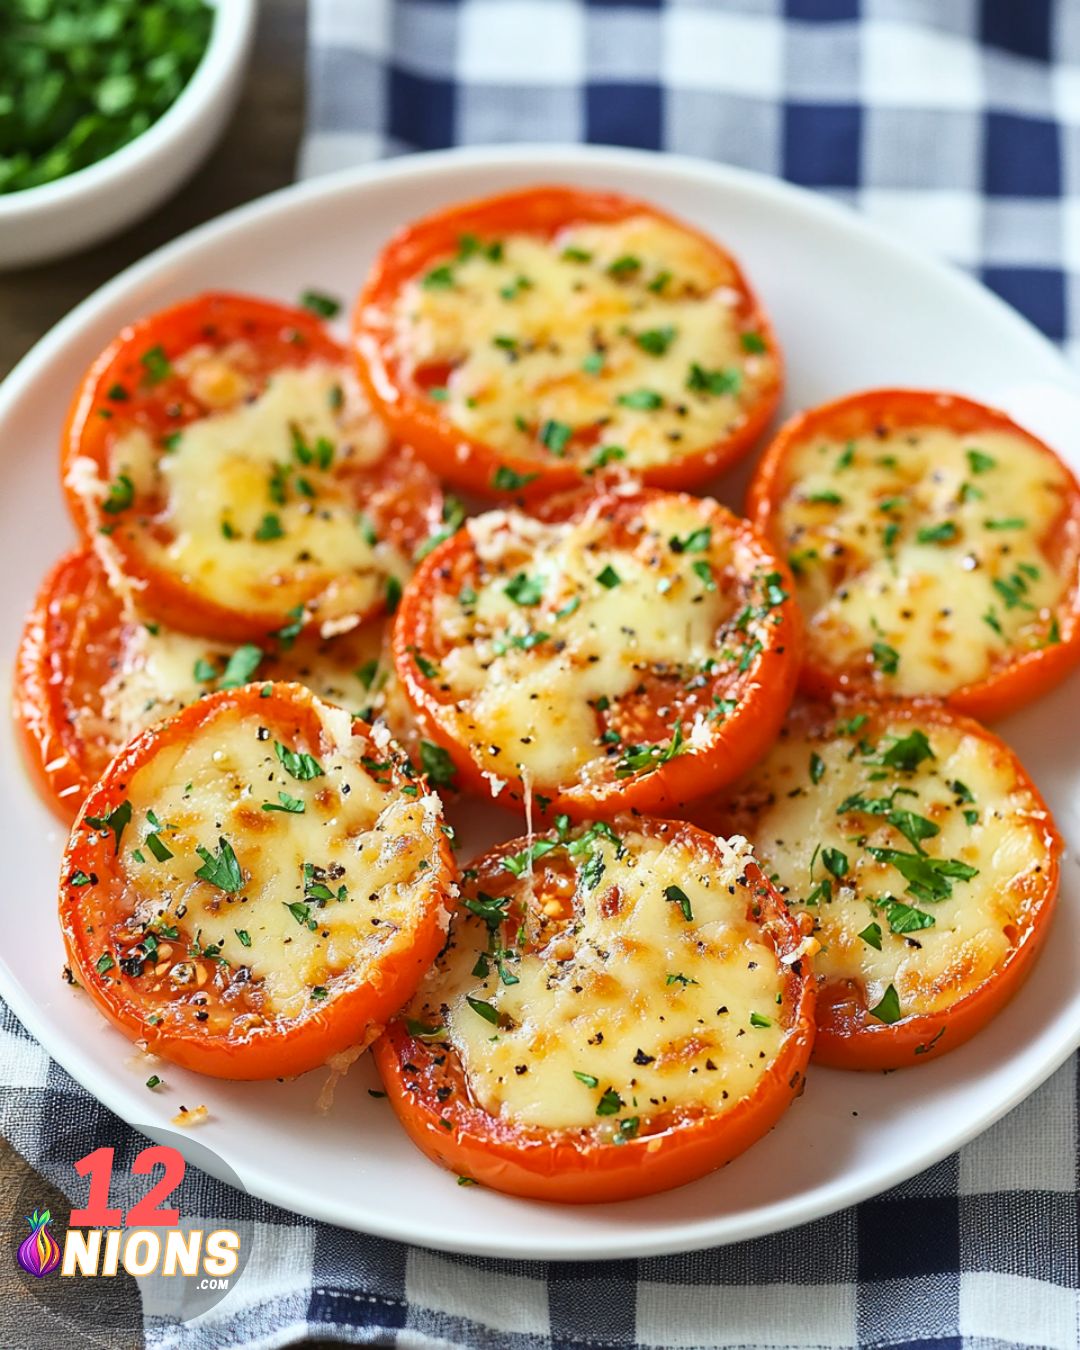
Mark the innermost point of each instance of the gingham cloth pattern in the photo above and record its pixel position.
(956, 123)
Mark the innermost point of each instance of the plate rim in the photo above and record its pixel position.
(280, 1190)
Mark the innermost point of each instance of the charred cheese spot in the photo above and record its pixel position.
(564, 621)
(252, 506)
(624, 997)
(578, 331)
(321, 883)
(923, 556)
(941, 933)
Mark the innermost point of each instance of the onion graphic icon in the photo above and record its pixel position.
(39, 1252)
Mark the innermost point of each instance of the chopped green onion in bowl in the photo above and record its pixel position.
(81, 78)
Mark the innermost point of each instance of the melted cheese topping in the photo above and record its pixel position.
(159, 671)
(369, 846)
(926, 545)
(607, 613)
(1000, 832)
(258, 511)
(566, 330)
(641, 1001)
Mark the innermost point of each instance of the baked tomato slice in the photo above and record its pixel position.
(925, 858)
(935, 546)
(222, 459)
(256, 884)
(620, 1009)
(528, 341)
(629, 649)
(90, 674)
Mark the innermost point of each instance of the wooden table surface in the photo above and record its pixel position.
(256, 155)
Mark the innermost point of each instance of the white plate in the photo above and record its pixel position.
(852, 309)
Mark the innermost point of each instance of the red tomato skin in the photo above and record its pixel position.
(228, 317)
(571, 1166)
(1028, 675)
(847, 1036)
(470, 463)
(347, 1021)
(667, 790)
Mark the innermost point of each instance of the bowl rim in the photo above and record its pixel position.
(230, 35)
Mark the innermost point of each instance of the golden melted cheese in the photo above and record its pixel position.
(927, 544)
(528, 704)
(257, 509)
(793, 822)
(160, 671)
(653, 1006)
(561, 330)
(375, 842)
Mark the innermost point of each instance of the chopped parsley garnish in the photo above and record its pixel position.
(836, 862)
(525, 590)
(204, 670)
(593, 363)
(120, 495)
(1009, 523)
(588, 1079)
(438, 279)
(655, 341)
(118, 393)
(393, 594)
(905, 918)
(888, 1010)
(156, 365)
(427, 668)
(845, 458)
(624, 266)
(79, 878)
(817, 767)
(644, 400)
(578, 255)
(269, 528)
(646, 757)
(241, 667)
(756, 1020)
(221, 869)
(104, 963)
(826, 497)
(609, 578)
(677, 896)
(555, 435)
(929, 879)
(158, 847)
(697, 541)
(117, 821)
(318, 302)
(153, 1081)
(289, 632)
(886, 658)
(991, 618)
(485, 1010)
(942, 533)
(723, 381)
(518, 863)
(1012, 591)
(422, 1031)
(294, 806)
(679, 978)
(908, 752)
(610, 1103)
(506, 480)
(753, 342)
(704, 574)
(299, 765)
(980, 462)
(244, 936)
(871, 935)
(437, 764)
(607, 454)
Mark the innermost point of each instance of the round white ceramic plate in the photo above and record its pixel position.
(852, 309)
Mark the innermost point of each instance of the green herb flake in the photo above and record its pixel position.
(610, 1103)
(555, 435)
(609, 578)
(757, 1020)
(642, 400)
(117, 821)
(980, 462)
(723, 381)
(156, 365)
(319, 303)
(871, 935)
(677, 896)
(506, 480)
(437, 764)
(298, 765)
(656, 341)
(588, 1079)
(241, 667)
(888, 1010)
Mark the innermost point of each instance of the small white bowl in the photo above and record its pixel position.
(85, 206)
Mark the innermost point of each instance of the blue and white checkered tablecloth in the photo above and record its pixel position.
(957, 123)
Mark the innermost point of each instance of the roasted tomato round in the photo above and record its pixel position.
(529, 341)
(256, 884)
(222, 459)
(621, 1008)
(935, 546)
(630, 649)
(925, 859)
(89, 675)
